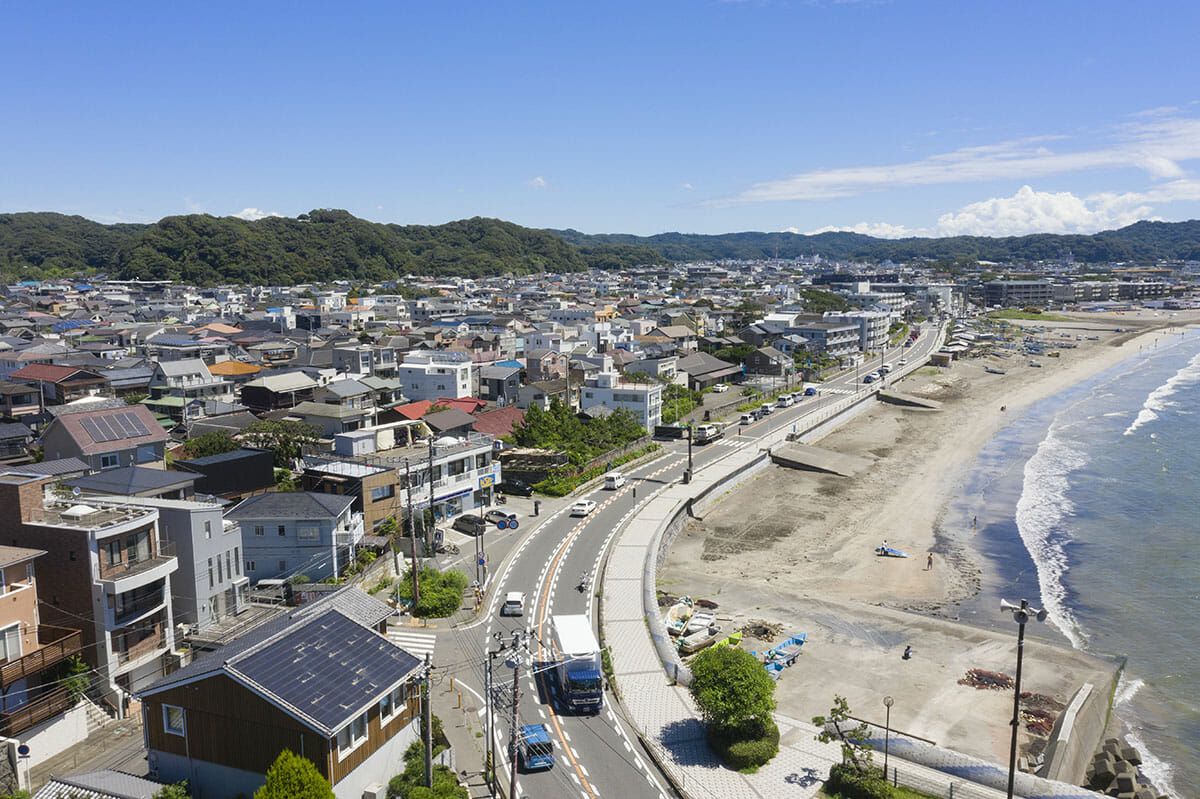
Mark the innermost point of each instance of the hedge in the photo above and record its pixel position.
(745, 748)
(848, 783)
(560, 485)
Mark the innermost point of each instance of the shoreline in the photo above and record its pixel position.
(788, 549)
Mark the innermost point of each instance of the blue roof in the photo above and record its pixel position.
(329, 670)
(517, 364)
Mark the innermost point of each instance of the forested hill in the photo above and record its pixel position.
(320, 245)
(331, 245)
(1142, 241)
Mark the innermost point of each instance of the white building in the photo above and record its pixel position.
(872, 327)
(643, 400)
(430, 375)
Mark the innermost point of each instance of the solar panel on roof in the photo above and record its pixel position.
(115, 427)
(98, 433)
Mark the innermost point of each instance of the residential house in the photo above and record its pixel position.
(15, 439)
(238, 373)
(232, 475)
(662, 368)
(18, 400)
(704, 370)
(684, 337)
(285, 534)
(541, 393)
(498, 422)
(428, 375)
(333, 419)
(373, 489)
(364, 359)
(450, 422)
(275, 391)
(188, 379)
(643, 400)
(500, 383)
(107, 567)
(60, 384)
(107, 438)
(32, 652)
(769, 361)
(321, 681)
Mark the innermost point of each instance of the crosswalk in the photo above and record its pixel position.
(415, 643)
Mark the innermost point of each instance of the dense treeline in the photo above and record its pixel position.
(330, 244)
(1143, 241)
(320, 245)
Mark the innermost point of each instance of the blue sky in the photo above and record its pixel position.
(893, 118)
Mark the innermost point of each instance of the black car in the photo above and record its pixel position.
(470, 524)
(516, 487)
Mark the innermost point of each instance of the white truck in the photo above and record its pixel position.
(579, 667)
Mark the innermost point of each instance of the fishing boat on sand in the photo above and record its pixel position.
(698, 639)
(679, 615)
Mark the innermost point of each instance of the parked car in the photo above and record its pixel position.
(747, 418)
(720, 388)
(514, 604)
(496, 516)
(470, 524)
(810, 392)
(516, 487)
(583, 507)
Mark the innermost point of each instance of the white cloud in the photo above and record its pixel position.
(687, 186)
(1155, 145)
(1030, 211)
(538, 182)
(254, 214)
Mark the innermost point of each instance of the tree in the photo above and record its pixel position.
(732, 689)
(294, 777)
(176, 791)
(856, 751)
(214, 443)
(286, 439)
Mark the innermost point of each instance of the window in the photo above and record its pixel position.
(481, 460)
(308, 532)
(237, 560)
(350, 736)
(146, 454)
(250, 566)
(112, 551)
(10, 641)
(173, 720)
(229, 564)
(137, 546)
(283, 565)
(110, 461)
(220, 573)
(210, 573)
(282, 529)
(259, 530)
(383, 492)
(208, 529)
(393, 703)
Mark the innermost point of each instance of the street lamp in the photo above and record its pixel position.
(1021, 614)
(887, 732)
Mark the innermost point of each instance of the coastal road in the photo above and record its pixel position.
(596, 754)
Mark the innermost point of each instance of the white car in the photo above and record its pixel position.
(583, 507)
(902, 361)
(514, 604)
(720, 388)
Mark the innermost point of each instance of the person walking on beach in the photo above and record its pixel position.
(929, 562)
(974, 521)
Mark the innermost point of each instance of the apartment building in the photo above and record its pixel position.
(429, 375)
(608, 389)
(872, 327)
(107, 570)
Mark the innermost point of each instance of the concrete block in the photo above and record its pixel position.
(1144, 793)
(1104, 772)
(1132, 755)
(1127, 783)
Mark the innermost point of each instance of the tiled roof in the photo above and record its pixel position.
(53, 373)
(291, 505)
(233, 368)
(498, 422)
(131, 426)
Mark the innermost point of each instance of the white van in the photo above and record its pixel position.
(614, 480)
(785, 401)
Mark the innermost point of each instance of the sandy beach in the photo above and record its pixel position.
(795, 549)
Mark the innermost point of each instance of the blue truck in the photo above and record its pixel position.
(580, 680)
(536, 750)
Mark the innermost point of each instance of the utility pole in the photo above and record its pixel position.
(412, 531)
(427, 720)
(432, 515)
(512, 735)
(489, 768)
(688, 474)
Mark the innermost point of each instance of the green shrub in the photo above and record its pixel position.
(559, 485)
(746, 747)
(441, 592)
(849, 783)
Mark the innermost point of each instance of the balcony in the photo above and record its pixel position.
(132, 610)
(153, 641)
(118, 578)
(55, 644)
(36, 711)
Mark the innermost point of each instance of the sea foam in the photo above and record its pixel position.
(1040, 511)
(1157, 771)
(1157, 402)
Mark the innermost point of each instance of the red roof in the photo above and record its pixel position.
(498, 422)
(52, 373)
(413, 410)
(469, 405)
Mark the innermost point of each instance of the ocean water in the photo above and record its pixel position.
(1088, 505)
